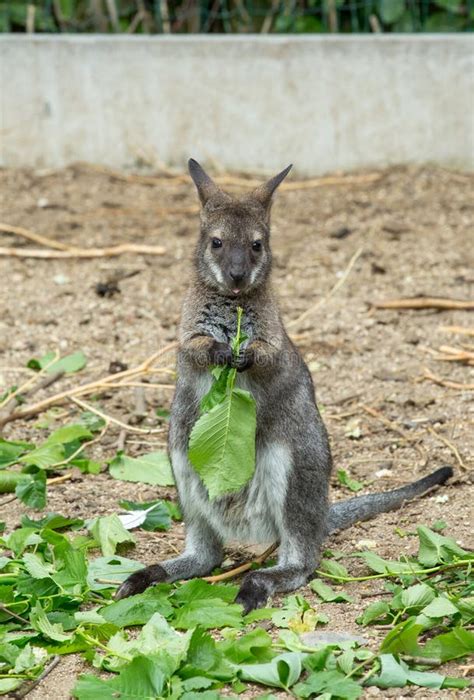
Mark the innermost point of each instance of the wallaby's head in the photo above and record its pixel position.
(233, 253)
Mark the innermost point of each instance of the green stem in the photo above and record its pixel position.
(391, 574)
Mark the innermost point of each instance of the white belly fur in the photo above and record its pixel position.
(259, 517)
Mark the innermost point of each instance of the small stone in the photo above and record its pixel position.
(366, 544)
(42, 203)
(441, 499)
(61, 279)
(381, 473)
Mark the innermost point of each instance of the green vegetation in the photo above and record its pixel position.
(56, 599)
(236, 16)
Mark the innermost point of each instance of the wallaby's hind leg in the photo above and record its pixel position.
(203, 553)
(296, 564)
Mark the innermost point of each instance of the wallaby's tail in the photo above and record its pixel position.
(346, 513)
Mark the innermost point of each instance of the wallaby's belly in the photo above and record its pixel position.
(254, 514)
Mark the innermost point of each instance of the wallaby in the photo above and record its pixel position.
(286, 500)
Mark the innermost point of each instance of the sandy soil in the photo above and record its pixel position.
(415, 228)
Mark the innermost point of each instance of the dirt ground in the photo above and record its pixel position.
(415, 227)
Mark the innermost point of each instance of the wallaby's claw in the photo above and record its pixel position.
(140, 581)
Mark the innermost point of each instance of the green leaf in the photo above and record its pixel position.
(392, 674)
(44, 456)
(334, 568)
(197, 589)
(281, 672)
(383, 566)
(11, 451)
(345, 480)
(52, 521)
(153, 468)
(33, 492)
(10, 480)
(115, 569)
(212, 613)
(327, 594)
(374, 612)
(403, 639)
(250, 648)
(142, 679)
(69, 433)
(222, 444)
(415, 596)
(452, 645)
(109, 532)
(40, 622)
(218, 390)
(440, 607)
(138, 609)
(436, 549)
(68, 364)
(332, 684)
(391, 10)
(36, 567)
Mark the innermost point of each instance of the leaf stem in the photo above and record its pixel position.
(393, 574)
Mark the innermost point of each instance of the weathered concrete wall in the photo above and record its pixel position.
(243, 102)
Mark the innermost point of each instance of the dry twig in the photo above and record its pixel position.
(232, 573)
(230, 180)
(457, 329)
(425, 303)
(450, 445)
(427, 374)
(84, 253)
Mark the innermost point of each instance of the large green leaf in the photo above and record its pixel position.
(142, 679)
(281, 672)
(109, 532)
(153, 468)
(222, 444)
(11, 451)
(435, 548)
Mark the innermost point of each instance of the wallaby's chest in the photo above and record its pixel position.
(219, 319)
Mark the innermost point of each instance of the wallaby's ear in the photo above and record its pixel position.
(206, 187)
(264, 193)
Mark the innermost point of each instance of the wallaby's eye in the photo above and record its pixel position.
(257, 245)
(216, 243)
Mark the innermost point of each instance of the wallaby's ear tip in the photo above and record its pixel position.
(192, 165)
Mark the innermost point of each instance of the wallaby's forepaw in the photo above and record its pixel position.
(140, 581)
(221, 354)
(253, 594)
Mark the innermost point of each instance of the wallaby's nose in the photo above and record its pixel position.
(237, 275)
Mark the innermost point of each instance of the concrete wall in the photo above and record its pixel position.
(242, 102)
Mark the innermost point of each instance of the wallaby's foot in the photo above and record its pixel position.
(140, 581)
(253, 594)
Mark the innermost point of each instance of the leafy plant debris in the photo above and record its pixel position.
(57, 598)
(222, 441)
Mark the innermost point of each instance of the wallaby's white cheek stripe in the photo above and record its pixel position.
(215, 269)
(256, 270)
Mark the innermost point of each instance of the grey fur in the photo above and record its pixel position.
(287, 498)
